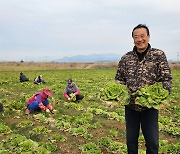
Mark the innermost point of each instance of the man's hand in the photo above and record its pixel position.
(69, 98)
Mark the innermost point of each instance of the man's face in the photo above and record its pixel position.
(141, 39)
(70, 84)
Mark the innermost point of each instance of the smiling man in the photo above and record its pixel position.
(141, 39)
(142, 66)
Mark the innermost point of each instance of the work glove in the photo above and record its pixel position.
(42, 107)
(47, 110)
(50, 107)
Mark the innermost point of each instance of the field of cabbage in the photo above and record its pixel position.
(88, 126)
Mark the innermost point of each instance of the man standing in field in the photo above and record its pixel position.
(142, 66)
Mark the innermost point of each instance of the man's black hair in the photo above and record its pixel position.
(141, 26)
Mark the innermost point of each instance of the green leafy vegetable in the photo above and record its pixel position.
(73, 97)
(90, 148)
(115, 91)
(4, 129)
(151, 96)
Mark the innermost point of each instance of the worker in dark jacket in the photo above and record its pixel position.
(1, 107)
(142, 66)
(23, 78)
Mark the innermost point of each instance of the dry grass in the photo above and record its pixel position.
(175, 65)
(28, 66)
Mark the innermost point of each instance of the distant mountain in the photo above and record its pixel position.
(109, 57)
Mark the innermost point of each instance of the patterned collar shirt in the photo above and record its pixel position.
(135, 70)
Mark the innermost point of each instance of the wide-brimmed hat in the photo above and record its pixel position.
(69, 81)
(47, 91)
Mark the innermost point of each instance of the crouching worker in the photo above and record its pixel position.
(39, 80)
(40, 102)
(1, 107)
(23, 78)
(72, 92)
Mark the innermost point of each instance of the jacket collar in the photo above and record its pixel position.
(141, 55)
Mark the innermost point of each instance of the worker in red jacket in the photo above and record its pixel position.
(40, 101)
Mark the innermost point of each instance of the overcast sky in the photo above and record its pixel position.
(52, 29)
